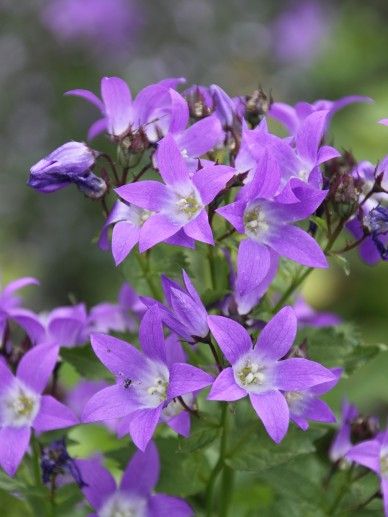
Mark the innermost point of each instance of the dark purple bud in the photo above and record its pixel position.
(377, 223)
(70, 163)
(56, 461)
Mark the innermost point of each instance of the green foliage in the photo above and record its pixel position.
(85, 362)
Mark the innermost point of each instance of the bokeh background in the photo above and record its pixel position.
(298, 50)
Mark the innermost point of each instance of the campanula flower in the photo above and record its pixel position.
(145, 381)
(22, 405)
(259, 370)
(65, 326)
(135, 494)
(178, 203)
(150, 112)
(342, 441)
(70, 163)
(308, 316)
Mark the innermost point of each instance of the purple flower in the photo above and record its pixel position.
(342, 442)
(293, 116)
(179, 202)
(127, 221)
(11, 310)
(308, 316)
(185, 313)
(305, 405)
(150, 112)
(22, 405)
(268, 225)
(120, 317)
(258, 372)
(373, 454)
(146, 382)
(70, 163)
(65, 326)
(135, 494)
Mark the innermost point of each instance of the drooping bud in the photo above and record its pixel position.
(70, 163)
(56, 461)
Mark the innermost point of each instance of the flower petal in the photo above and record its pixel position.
(143, 424)
(185, 378)
(145, 194)
(225, 387)
(124, 237)
(162, 505)
(151, 335)
(234, 214)
(99, 481)
(278, 335)
(366, 454)
(37, 365)
(201, 137)
(272, 409)
(142, 472)
(118, 104)
(231, 337)
(298, 374)
(112, 402)
(171, 164)
(53, 415)
(199, 228)
(88, 96)
(253, 263)
(156, 229)
(13, 445)
(211, 180)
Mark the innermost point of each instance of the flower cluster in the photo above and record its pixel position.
(252, 214)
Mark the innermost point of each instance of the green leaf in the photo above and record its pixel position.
(255, 451)
(202, 434)
(85, 362)
(181, 474)
(337, 346)
(12, 506)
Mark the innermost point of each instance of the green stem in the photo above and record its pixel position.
(210, 257)
(218, 467)
(341, 492)
(36, 460)
(144, 265)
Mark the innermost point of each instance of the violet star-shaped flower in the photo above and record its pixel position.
(11, 310)
(65, 326)
(185, 313)
(150, 111)
(305, 405)
(70, 163)
(258, 371)
(135, 494)
(373, 454)
(22, 405)
(178, 203)
(145, 381)
(127, 221)
(267, 224)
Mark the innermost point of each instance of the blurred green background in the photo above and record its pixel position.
(298, 50)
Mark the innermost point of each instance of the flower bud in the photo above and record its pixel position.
(70, 163)
(199, 100)
(257, 106)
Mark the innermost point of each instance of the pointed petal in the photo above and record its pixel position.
(121, 358)
(181, 423)
(118, 104)
(309, 135)
(37, 365)
(272, 409)
(286, 115)
(156, 229)
(88, 96)
(29, 321)
(185, 378)
(201, 137)
(319, 411)
(296, 244)
(326, 153)
(179, 112)
(171, 164)
(234, 214)
(142, 472)
(99, 481)
(112, 402)
(6, 377)
(145, 194)
(151, 335)
(13, 445)
(225, 387)
(366, 454)
(142, 426)
(298, 374)
(253, 263)
(20, 283)
(162, 505)
(125, 236)
(98, 127)
(199, 228)
(189, 312)
(231, 337)
(53, 415)
(211, 180)
(278, 335)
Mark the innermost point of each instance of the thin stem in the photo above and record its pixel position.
(350, 246)
(220, 463)
(295, 284)
(140, 174)
(215, 355)
(341, 492)
(36, 460)
(226, 234)
(366, 502)
(143, 262)
(210, 257)
(187, 408)
(112, 166)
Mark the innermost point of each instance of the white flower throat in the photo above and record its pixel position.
(19, 406)
(123, 505)
(255, 222)
(251, 373)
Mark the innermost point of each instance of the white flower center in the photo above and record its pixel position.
(297, 401)
(304, 174)
(188, 205)
(252, 374)
(151, 389)
(184, 153)
(174, 407)
(255, 222)
(159, 388)
(123, 505)
(19, 406)
(143, 216)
